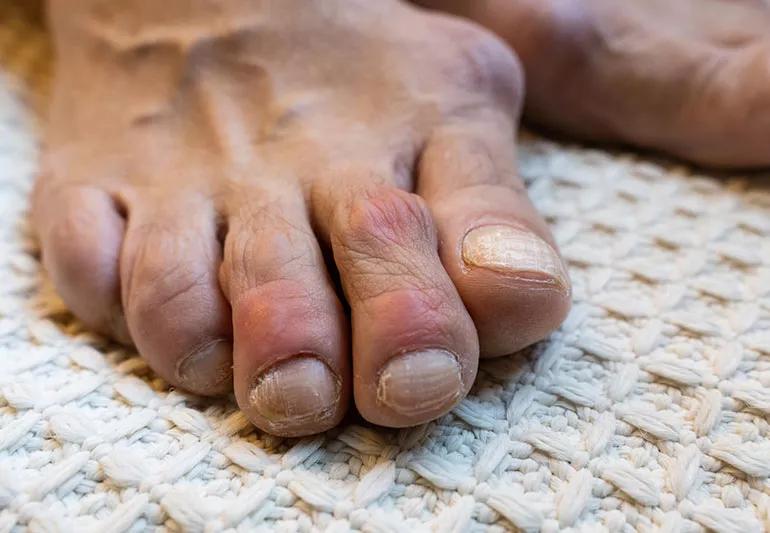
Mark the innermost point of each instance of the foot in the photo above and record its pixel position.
(690, 77)
(211, 171)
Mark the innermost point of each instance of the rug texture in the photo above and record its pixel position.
(648, 410)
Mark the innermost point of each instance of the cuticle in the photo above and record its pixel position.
(260, 374)
(406, 351)
(379, 398)
(552, 284)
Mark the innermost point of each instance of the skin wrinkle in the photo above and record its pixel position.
(378, 226)
(399, 277)
(286, 296)
(165, 278)
(248, 242)
(432, 309)
(198, 282)
(362, 243)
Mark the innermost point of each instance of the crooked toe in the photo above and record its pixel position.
(415, 350)
(81, 235)
(291, 359)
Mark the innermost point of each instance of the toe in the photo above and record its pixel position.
(291, 359)
(494, 245)
(415, 350)
(81, 234)
(177, 315)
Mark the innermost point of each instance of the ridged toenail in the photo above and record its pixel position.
(209, 370)
(295, 394)
(515, 251)
(420, 383)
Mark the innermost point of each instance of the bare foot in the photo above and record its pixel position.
(202, 156)
(689, 77)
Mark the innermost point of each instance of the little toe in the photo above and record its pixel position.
(291, 358)
(415, 350)
(81, 233)
(177, 315)
(494, 245)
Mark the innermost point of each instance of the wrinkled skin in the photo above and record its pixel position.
(690, 78)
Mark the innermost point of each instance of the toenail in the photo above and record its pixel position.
(209, 370)
(516, 251)
(420, 383)
(298, 393)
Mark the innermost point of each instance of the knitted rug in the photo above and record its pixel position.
(648, 410)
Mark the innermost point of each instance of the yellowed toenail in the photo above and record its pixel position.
(209, 370)
(296, 394)
(515, 251)
(421, 383)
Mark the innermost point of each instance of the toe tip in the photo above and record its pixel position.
(296, 397)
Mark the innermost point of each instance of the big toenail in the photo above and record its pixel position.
(296, 393)
(515, 251)
(208, 370)
(421, 382)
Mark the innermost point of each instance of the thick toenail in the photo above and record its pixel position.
(298, 393)
(420, 383)
(515, 251)
(209, 370)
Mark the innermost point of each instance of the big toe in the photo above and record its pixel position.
(495, 246)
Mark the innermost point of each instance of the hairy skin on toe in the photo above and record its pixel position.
(216, 164)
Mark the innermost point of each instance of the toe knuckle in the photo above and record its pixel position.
(265, 246)
(166, 291)
(162, 286)
(385, 215)
(488, 63)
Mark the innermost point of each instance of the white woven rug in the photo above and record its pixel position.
(648, 410)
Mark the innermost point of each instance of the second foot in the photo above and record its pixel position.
(208, 176)
(689, 78)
